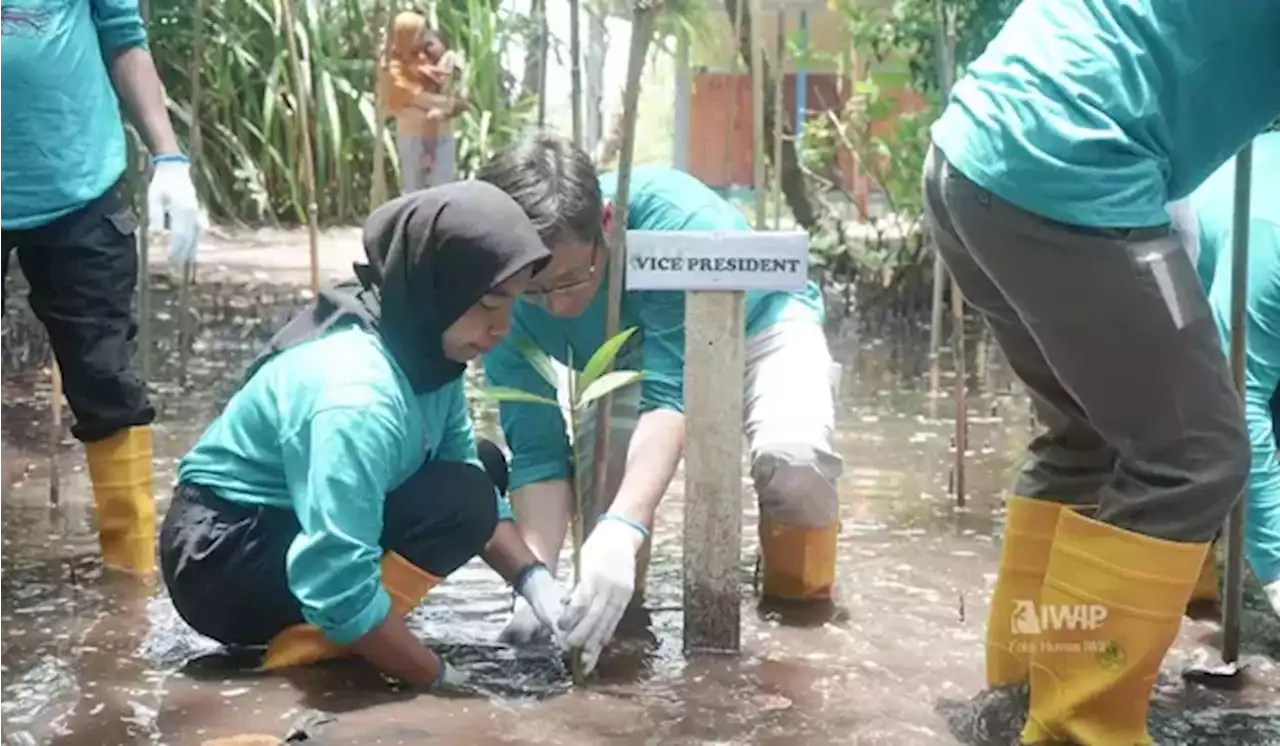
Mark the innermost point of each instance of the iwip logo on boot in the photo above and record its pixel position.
(1028, 619)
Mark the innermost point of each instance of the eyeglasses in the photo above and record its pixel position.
(570, 281)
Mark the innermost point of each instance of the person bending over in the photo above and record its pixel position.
(342, 480)
(788, 392)
(1046, 191)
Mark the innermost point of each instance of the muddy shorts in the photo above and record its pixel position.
(224, 562)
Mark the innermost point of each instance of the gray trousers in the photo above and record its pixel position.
(1113, 337)
(413, 176)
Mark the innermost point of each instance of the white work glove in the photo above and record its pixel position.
(451, 682)
(538, 609)
(608, 580)
(172, 194)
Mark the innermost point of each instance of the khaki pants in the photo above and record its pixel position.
(788, 418)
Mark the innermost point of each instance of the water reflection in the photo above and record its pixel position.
(897, 661)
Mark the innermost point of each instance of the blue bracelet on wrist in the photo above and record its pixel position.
(156, 160)
(524, 574)
(621, 519)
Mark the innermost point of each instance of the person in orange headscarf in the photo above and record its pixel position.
(416, 74)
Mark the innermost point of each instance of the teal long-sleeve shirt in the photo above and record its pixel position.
(1100, 112)
(326, 429)
(661, 199)
(61, 135)
(1214, 205)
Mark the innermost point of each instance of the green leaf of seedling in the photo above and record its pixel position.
(603, 358)
(609, 383)
(508, 394)
(540, 360)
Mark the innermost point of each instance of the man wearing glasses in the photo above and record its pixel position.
(788, 398)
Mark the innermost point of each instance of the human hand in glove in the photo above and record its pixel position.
(173, 195)
(451, 682)
(608, 580)
(538, 608)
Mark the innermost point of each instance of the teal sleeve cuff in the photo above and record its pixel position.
(504, 509)
(358, 626)
(528, 473)
(657, 392)
(119, 26)
(122, 40)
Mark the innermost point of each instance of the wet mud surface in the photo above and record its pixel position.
(89, 659)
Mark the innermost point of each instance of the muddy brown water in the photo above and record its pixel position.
(88, 659)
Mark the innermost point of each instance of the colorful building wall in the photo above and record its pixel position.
(720, 128)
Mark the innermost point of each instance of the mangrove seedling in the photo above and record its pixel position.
(594, 382)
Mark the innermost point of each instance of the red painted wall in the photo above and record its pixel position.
(720, 154)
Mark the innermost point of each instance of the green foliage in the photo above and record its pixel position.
(909, 30)
(593, 383)
(888, 144)
(249, 168)
(887, 139)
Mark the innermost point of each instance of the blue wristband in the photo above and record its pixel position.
(620, 519)
(524, 574)
(156, 160)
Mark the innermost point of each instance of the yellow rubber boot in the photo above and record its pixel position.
(799, 562)
(1024, 556)
(120, 469)
(405, 583)
(1110, 608)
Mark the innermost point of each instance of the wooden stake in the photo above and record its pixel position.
(143, 174)
(733, 97)
(194, 144)
(944, 23)
(55, 432)
(1234, 575)
(575, 69)
(544, 47)
(944, 60)
(303, 112)
(378, 188)
(714, 356)
(641, 34)
(713, 374)
(935, 331)
(779, 116)
(961, 389)
(757, 116)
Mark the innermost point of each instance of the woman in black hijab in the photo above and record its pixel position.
(342, 481)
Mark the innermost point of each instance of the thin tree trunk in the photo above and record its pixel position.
(194, 145)
(596, 45)
(533, 51)
(792, 177)
(378, 189)
(575, 71)
(641, 36)
(302, 100)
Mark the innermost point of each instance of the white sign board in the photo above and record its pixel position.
(717, 260)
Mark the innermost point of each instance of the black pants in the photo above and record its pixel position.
(224, 562)
(82, 269)
(1111, 333)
